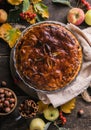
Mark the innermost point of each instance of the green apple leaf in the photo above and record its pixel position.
(26, 5)
(41, 9)
(47, 125)
(65, 2)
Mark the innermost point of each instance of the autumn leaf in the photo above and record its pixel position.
(9, 34)
(69, 106)
(65, 2)
(12, 36)
(41, 9)
(14, 2)
(4, 29)
(42, 106)
(26, 5)
(35, 1)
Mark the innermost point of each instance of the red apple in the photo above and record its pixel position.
(76, 16)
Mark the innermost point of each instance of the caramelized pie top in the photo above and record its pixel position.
(48, 56)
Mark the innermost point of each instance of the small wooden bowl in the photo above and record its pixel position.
(2, 113)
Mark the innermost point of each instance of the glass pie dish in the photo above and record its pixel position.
(63, 67)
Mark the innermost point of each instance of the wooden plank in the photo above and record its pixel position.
(5, 75)
(4, 48)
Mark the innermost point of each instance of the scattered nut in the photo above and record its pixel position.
(1, 91)
(3, 83)
(80, 113)
(7, 109)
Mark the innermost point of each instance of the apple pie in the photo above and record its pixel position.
(48, 56)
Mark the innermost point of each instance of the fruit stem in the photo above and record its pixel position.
(56, 125)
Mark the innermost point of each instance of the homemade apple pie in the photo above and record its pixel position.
(48, 56)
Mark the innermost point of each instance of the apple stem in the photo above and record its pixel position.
(56, 125)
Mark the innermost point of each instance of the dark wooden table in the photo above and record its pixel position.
(58, 12)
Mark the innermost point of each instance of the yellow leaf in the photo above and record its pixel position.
(35, 1)
(9, 34)
(69, 106)
(42, 106)
(41, 9)
(4, 29)
(14, 2)
(45, 14)
(12, 36)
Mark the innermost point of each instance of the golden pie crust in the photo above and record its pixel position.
(48, 56)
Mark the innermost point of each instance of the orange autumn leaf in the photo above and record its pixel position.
(14, 2)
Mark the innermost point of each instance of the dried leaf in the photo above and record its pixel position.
(41, 9)
(42, 106)
(35, 1)
(9, 34)
(14, 2)
(26, 5)
(4, 29)
(85, 95)
(65, 2)
(12, 36)
(69, 106)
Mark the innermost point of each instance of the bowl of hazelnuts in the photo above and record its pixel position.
(8, 101)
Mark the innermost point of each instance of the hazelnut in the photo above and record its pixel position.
(7, 109)
(12, 105)
(6, 103)
(2, 95)
(12, 100)
(1, 105)
(2, 99)
(1, 91)
(80, 112)
(3, 83)
(8, 94)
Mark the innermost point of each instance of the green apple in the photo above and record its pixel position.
(37, 124)
(88, 17)
(51, 113)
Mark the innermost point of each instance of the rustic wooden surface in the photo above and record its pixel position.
(58, 13)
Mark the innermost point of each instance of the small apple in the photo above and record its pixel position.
(37, 124)
(3, 16)
(51, 113)
(88, 17)
(75, 16)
